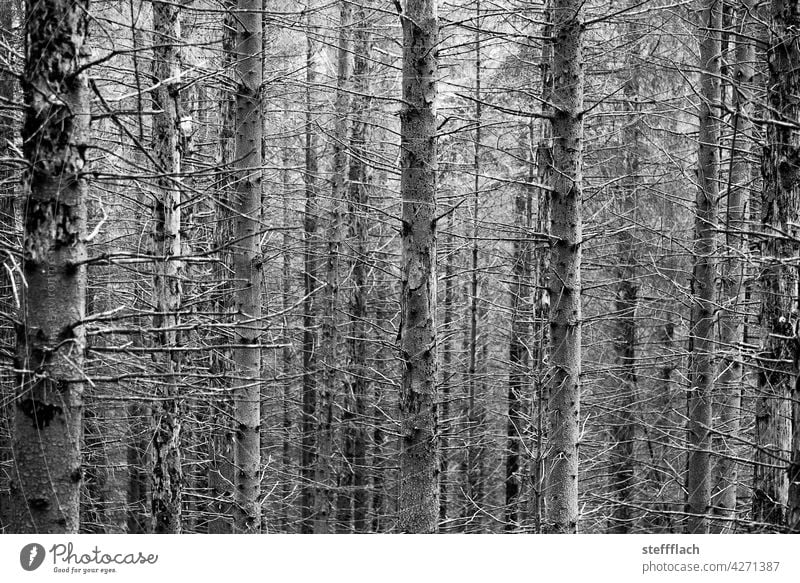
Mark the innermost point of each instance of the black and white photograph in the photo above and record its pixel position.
(508, 267)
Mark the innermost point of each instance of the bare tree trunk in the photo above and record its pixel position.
(357, 380)
(309, 445)
(774, 488)
(331, 338)
(419, 465)
(475, 417)
(698, 479)
(565, 275)
(730, 377)
(167, 476)
(50, 337)
(541, 171)
(247, 267)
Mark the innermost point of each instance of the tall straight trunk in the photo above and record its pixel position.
(247, 267)
(288, 361)
(541, 170)
(331, 338)
(357, 383)
(449, 252)
(474, 492)
(419, 465)
(730, 376)
(48, 407)
(701, 334)
(566, 232)
(623, 425)
(220, 412)
(167, 475)
(519, 347)
(308, 456)
(780, 213)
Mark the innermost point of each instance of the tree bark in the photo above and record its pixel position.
(48, 408)
(167, 474)
(701, 335)
(309, 445)
(247, 267)
(730, 376)
(419, 465)
(774, 488)
(565, 276)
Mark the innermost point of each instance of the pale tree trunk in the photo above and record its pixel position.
(730, 377)
(219, 475)
(623, 424)
(331, 338)
(167, 475)
(50, 337)
(701, 334)
(780, 215)
(247, 267)
(566, 233)
(419, 465)
(309, 454)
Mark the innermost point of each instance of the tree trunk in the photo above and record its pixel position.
(419, 465)
(542, 173)
(731, 321)
(475, 418)
(701, 335)
(247, 267)
(309, 445)
(167, 476)
(565, 276)
(50, 337)
(357, 381)
(780, 215)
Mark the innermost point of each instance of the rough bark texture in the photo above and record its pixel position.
(565, 276)
(419, 465)
(732, 271)
(780, 214)
(48, 408)
(701, 335)
(247, 267)
(167, 476)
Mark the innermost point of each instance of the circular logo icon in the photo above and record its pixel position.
(31, 556)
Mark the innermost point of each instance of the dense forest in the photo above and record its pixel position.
(360, 266)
